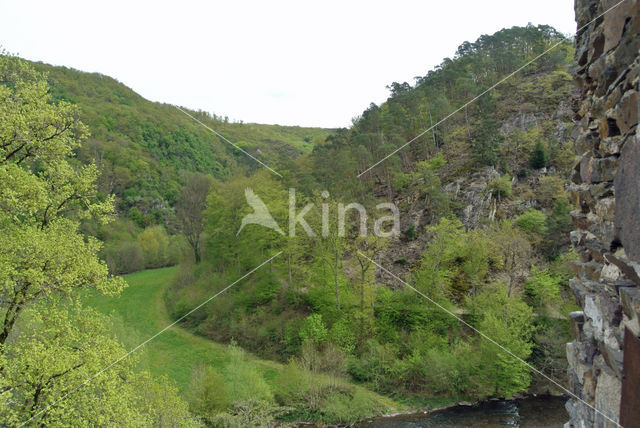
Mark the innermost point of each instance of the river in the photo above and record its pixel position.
(538, 412)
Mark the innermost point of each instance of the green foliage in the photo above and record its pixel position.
(544, 287)
(500, 187)
(154, 243)
(332, 402)
(145, 146)
(411, 233)
(210, 394)
(244, 381)
(455, 261)
(160, 164)
(487, 138)
(551, 190)
(313, 330)
(509, 321)
(392, 340)
(540, 156)
(559, 223)
(50, 347)
(136, 216)
(342, 335)
(124, 257)
(533, 221)
(450, 370)
(252, 412)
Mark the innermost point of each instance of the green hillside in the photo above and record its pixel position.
(144, 148)
(140, 313)
(146, 152)
(484, 223)
(339, 325)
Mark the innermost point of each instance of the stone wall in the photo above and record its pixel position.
(606, 192)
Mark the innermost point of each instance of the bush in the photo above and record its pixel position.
(500, 187)
(247, 413)
(343, 336)
(347, 409)
(375, 365)
(543, 287)
(450, 369)
(293, 384)
(154, 243)
(558, 224)
(400, 181)
(411, 233)
(244, 382)
(533, 221)
(550, 190)
(124, 257)
(313, 330)
(209, 393)
(135, 215)
(292, 339)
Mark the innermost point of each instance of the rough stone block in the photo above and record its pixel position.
(598, 170)
(627, 190)
(629, 268)
(614, 21)
(608, 391)
(576, 320)
(626, 111)
(630, 300)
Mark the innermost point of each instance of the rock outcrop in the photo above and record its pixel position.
(606, 192)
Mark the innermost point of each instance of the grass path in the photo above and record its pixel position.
(141, 312)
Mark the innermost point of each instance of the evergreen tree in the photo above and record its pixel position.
(540, 156)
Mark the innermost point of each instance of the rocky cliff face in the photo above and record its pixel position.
(606, 192)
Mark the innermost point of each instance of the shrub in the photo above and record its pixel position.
(313, 330)
(411, 233)
(558, 223)
(500, 187)
(209, 393)
(550, 190)
(543, 287)
(299, 388)
(292, 339)
(533, 221)
(343, 336)
(135, 215)
(347, 409)
(247, 413)
(124, 257)
(154, 243)
(400, 181)
(244, 382)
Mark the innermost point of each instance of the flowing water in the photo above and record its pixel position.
(538, 412)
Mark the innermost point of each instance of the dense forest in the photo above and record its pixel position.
(147, 153)
(97, 181)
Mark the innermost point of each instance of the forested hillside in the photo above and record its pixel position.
(485, 221)
(112, 183)
(146, 153)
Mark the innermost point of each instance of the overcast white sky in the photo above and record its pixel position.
(288, 62)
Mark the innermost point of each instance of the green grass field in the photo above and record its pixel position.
(139, 313)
